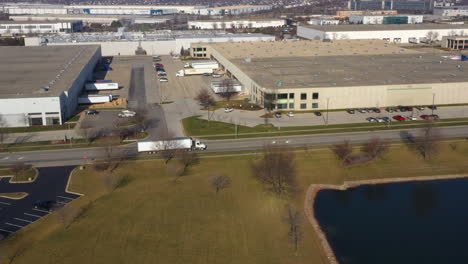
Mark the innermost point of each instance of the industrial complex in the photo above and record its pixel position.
(41, 85)
(317, 75)
(56, 26)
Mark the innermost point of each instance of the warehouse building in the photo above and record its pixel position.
(451, 11)
(163, 42)
(40, 85)
(391, 33)
(230, 24)
(344, 14)
(378, 20)
(406, 5)
(316, 75)
(21, 27)
(455, 42)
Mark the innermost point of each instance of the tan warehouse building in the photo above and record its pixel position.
(315, 75)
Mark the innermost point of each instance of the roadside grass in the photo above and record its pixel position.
(25, 175)
(155, 219)
(14, 195)
(36, 128)
(201, 128)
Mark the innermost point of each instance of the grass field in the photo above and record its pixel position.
(36, 128)
(154, 219)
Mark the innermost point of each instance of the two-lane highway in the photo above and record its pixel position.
(81, 156)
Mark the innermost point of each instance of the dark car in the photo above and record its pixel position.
(278, 114)
(207, 74)
(92, 112)
(317, 113)
(350, 111)
(376, 110)
(160, 69)
(430, 117)
(432, 107)
(46, 205)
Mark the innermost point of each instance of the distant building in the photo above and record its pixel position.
(346, 13)
(416, 5)
(375, 20)
(320, 21)
(230, 24)
(17, 27)
(455, 42)
(391, 33)
(451, 11)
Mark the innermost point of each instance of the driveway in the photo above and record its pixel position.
(49, 185)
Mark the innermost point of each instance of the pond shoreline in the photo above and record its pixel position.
(313, 189)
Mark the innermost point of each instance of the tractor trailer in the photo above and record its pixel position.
(100, 85)
(95, 99)
(179, 143)
(185, 72)
(202, 65)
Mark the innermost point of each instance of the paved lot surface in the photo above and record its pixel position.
(49, 185)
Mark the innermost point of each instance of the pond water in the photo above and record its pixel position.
(398, 223)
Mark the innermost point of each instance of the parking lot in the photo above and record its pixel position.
(49, 185)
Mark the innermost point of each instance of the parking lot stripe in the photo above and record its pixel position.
(61, 202)
(6, 231)
(40, 210)
(14, 225)
(5, 203)
(65, 197)
(33, 215)
(23, 220)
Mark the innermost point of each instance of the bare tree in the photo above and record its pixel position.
(142, 119)
(276, 168)
(219, 182)
(18, 167)
(88, 130)
(205, 99)
(343, 150)
(169, 147)
(294, 219)
(427, 142)
(227, 90)
(375, 147)
(187, 159)
(112, 155)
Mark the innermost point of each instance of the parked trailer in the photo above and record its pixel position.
(101, 81)
(226, 86)
(101, 86)
(179, 143)
(202, 65)
(95, 99)
(185, 72)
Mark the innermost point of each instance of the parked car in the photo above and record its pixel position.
(376, 110)
(318, 113)
(228, 109)
(160, 69)
(92, 112)
(369, 110)
(399, 118)
(362, 111)
(162, 74)
(412, 118)
(207, 74)
(46, 205)
(159, 65)
(215, 75)
(420, 108)
(380, 119)
(386, 119)
(163, 79)
(156, 58)
(430, 117)
(175, 57)
(390, 109)
(350, 111)
(278, 114)
(290, 114)
(409, 108)
(371, 119)
(127, 113)
(432, 107)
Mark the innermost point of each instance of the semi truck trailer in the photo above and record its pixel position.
(178, 143)
(202, 65)
(95, 99)
(185, 72)
(97, 86)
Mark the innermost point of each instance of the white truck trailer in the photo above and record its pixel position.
(97, 86)
(179, 143)
(95, 99)
(185, 72)
(202, 65)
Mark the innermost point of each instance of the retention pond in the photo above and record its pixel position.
(405, 223)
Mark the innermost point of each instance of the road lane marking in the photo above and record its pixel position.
(65, 197)
(14, 225)
(40, 210)
(33, 215)
(5, 203)
(23, 220)
(5, 158)
(6, 231)
(20, 158)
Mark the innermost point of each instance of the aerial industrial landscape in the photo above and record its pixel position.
(233, 131)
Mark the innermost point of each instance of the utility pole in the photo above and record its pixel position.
(326, 122)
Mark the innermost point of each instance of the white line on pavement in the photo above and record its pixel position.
(40, 210)
(14, 225)
(61, 202)
(5, 203)
(65, 197)
(20, 158)
(22, 220)
(6, 231)
(33, 215)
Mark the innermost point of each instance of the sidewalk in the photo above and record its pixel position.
(39, 136)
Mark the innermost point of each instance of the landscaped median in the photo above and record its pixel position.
(212, 130)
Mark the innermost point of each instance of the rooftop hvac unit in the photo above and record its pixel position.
(248, 60)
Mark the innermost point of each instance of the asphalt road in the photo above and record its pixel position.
(49, 185)
(81, 156)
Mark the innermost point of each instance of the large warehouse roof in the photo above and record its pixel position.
(359, 70)
(307, 48)
(341, 28)
(25, 70)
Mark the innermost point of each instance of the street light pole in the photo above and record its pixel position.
(433, 103)
(326, 123)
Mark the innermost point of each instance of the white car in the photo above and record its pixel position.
(380, 119)
(175, 57)
(228, 110)
(290, 114)
(127, 113)
(411, 118)
(163, 80)
(215, 75)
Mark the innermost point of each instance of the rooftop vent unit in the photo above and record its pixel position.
(44, 89)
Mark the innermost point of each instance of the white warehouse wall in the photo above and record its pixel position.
(228, 24)
(15, 110)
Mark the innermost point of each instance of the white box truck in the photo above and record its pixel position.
(97, 86)
(179, 143)
(185, 72)
(95, 99)
(202, 65)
